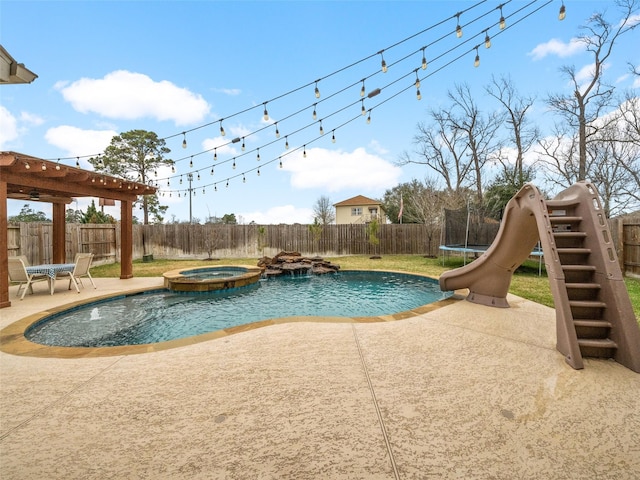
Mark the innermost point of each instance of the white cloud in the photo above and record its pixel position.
(222, 146)
(8, 127)
(558, 48)
(31, 119)
(76, 141)
(228, 91)
(335, 170)
(131, 96)
(280, 214)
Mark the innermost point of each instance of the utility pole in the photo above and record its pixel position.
(190, 178)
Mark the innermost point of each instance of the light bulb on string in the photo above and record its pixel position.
(168, 183)
(198, 176)
(314, 114)
(58, 165)
(424, 60)
(321, 129)
(244, 180)
(211, 170)
(487, 40)
(180, 179)
(265, 114)
(184, 140)
(503, 22)
(304, 151)
(277, 131)
(362, 90)
(333, 136)
(258, 172)
(280, 159)
(203, 192)
(227, 185)
(418, 94)
(173, 169)
(234, 163)
(383, 64)
(369, 118)
(286, 142)
(458, 27)
(417, 79)
(563, 12)
(222, 132)
(243, 147)
(476, 62)
(215, 187)
(317, 91)
(191, 162)
(362, 109)
(258, 155)
(78, 162)
(44, 167)
(215, 154)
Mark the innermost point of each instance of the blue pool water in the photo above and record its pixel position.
(213, 272)
(163, 315)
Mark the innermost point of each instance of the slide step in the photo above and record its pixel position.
(574, 251)
(564, 219)
(592, 323)
(587, 304)
(563, 203)
(570, 234)
(579, 268)
(583, 286)
(597, 343)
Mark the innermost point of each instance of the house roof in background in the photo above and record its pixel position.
(357, 200)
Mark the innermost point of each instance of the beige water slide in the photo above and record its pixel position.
(594, 315)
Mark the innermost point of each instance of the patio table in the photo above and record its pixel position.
(50, 270)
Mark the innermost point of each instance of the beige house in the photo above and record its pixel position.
(359, 209)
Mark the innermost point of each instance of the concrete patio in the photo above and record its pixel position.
(460, 392)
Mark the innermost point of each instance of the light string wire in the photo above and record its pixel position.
(306, 85)
(512, 24)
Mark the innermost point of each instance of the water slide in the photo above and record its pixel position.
(594, 315)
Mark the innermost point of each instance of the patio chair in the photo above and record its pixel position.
(18, 274)
(81, 269)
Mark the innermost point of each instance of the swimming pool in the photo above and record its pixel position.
(163, 315)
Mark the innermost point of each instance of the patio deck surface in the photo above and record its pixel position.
(460, 392)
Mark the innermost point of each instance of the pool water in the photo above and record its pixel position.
(164, 315)
(214, 272)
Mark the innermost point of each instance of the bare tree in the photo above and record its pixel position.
(587, 102)
(522, 133)
(323, 211)
(458, 143)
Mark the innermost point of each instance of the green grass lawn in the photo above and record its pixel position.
(526, 282)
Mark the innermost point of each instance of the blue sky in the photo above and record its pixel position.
(106, 67)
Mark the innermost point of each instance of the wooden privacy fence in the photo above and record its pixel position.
(239, 241)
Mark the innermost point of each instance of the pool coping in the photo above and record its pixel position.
(13, 341)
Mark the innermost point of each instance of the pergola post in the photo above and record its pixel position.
(126, 239)
(4, 254)
(59, 233)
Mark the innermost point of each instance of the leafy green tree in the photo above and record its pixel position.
(136, 155)
(93, 215)
(229, 219)
(316, 231)
(73, 216)
(27, 214)
(504, 186)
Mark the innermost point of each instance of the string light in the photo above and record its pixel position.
(222, 132)
(362, 109)
(487, 40)
(362, 90)
(27, 166)
(321, 129)
(180, 179)
(424, 60)
(317, 91)
(383, 64)
(418, 94)
(258, 155)
(476, 62)
(212, 171)
(503, 22)
(563, 12)
(243, 147)
(198, 175)
(44, 167)
(314, 114)
(215, 154)
(173, 169)
(215, 187)
(191, 162)
(369, 117)
(184, 140)
(77, 161)
(58, 165)
(265, 114)
(280, 159)
(304, 151)
(234, 163)
(458, 27)
(333, 136)
(277, 131)
(244, 180)
(258, 172)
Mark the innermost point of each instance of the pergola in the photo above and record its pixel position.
(23, 177)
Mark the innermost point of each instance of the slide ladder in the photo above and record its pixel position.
(594, 315)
